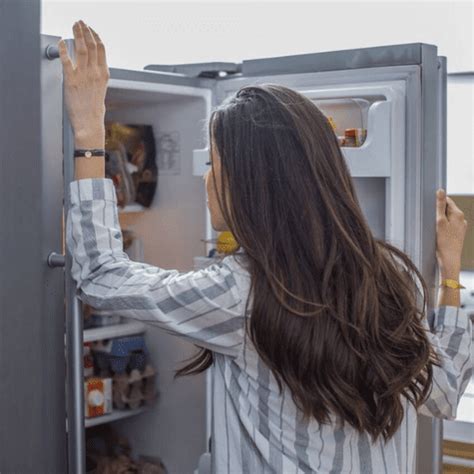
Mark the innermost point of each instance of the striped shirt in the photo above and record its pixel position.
(255, 429)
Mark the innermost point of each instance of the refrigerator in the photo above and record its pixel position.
(397, 93)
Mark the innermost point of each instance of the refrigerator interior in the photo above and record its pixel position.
(171, 232)
(172, 229)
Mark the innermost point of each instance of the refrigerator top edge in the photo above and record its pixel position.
(361, 58)
(206, 75)
(162, 77)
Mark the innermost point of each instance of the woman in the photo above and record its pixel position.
(321, 352)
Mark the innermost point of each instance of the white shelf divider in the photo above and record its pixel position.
(114, 416)
(131, 208)
(116, 330)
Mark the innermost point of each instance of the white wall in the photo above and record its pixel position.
(139, 33)
(147, 32)
(460, 172)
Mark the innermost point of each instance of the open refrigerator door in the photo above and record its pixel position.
(387, 106)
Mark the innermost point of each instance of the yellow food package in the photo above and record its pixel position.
(332, 123)
(226, 242)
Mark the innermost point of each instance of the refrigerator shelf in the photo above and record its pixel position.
(131, 208)
(114, 416)
(116, 330)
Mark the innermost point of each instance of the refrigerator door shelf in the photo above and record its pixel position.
(346, 113)
(373, 158)
(370, 107)
(379, 104)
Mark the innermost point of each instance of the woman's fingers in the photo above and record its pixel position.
(90, 44)
(68, 67)
(450, 232)
(101, 57)
(446, 208)
(440, 204)
(86, 87)
(80, 46)
(453, 210)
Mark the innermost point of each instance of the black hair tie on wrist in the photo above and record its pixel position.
(89, 153)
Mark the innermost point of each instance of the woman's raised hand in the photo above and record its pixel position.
(85, 85)
(450, 232)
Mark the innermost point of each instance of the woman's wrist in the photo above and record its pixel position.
(94, 167)
(450, 273)
(92, 138)
(86, 168)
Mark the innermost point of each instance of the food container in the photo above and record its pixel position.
(332, 123)
(355, 137)
(97, 397)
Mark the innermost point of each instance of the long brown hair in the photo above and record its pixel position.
(336, 313)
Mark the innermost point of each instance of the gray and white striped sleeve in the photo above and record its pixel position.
(451, 338)
(202, 306)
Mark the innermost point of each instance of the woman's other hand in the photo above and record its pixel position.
(85, 86)
(450, 232)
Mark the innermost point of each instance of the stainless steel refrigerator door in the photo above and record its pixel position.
(60, 127)
(430, 430)
(408, 166)
(32, 365)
